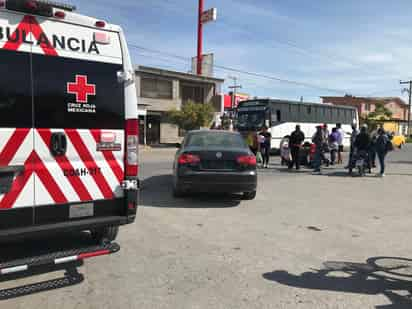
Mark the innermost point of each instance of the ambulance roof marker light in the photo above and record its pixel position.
(60, 14)
(100, 24)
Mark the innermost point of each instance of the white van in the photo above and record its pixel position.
(68, 124)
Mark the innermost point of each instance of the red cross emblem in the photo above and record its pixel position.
(81, 89)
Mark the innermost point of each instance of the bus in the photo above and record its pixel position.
(281, 117)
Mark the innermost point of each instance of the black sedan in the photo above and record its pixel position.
(214, 162)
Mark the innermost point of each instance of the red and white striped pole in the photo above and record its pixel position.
(200, 39)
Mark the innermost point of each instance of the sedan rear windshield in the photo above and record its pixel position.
(213, 139)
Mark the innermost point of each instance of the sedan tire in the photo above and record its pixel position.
(248, 196)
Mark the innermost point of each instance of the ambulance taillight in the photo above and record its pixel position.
(132, 148)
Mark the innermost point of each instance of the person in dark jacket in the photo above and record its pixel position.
(382, 148)
(372, 151)
(265, 146)
(363, 140)
(319, 140)
(353, 136)
(296, 139)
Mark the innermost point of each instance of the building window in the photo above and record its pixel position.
(367, 107)
(193, 93)
(154, 88)
(278, 116)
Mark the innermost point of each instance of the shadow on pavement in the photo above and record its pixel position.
(386, 276)
(400, 162)
(32, 248)
(157, 192)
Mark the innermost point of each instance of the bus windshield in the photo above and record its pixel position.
(250, 120)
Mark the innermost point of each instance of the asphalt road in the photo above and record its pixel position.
(305, 242)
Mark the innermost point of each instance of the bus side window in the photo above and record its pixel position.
(268, 119)
(278, 116)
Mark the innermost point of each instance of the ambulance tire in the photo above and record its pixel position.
(106, 234)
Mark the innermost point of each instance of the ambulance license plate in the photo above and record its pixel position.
(81, 211)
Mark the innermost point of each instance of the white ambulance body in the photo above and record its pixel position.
(68, 122)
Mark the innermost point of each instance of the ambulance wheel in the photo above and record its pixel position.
(106, 234)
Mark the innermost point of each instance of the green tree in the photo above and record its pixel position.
(192, 116)
(377, 117)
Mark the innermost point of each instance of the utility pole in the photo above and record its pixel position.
(234, 88)
(410, 103)
(204, 17)
(200, 39)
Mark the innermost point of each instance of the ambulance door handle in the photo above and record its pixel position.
(11, 169)
(58, 144)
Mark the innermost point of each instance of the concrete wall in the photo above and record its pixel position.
(169, 134)
(160, 105)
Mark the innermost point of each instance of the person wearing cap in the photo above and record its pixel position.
(296, 139)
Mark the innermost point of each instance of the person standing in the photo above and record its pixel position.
(252, 142)
(341, 136)
(363, 140)
(325, 131)
(382, 146)
(372, 150)
(325, 146)
(319, 140)
(265, 142)
(353, 136)
(333, 145)
(296, 139)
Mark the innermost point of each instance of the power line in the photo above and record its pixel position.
(241, 71)
(329, 57)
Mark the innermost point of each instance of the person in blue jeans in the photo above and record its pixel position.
(382, 147)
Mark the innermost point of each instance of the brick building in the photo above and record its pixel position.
(366, 105)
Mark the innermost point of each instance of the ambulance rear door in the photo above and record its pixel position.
(79, 119)
(16, 115)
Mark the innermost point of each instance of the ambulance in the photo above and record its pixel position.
(68, 128)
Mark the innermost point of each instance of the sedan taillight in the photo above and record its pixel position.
(246, 160)
(188, 159)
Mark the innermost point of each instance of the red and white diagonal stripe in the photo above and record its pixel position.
(44, 181)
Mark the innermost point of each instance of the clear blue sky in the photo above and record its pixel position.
(361, 47)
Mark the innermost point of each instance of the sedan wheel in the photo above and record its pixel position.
(248, 196)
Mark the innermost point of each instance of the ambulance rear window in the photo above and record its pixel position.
(15, 90)
(75, 93)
